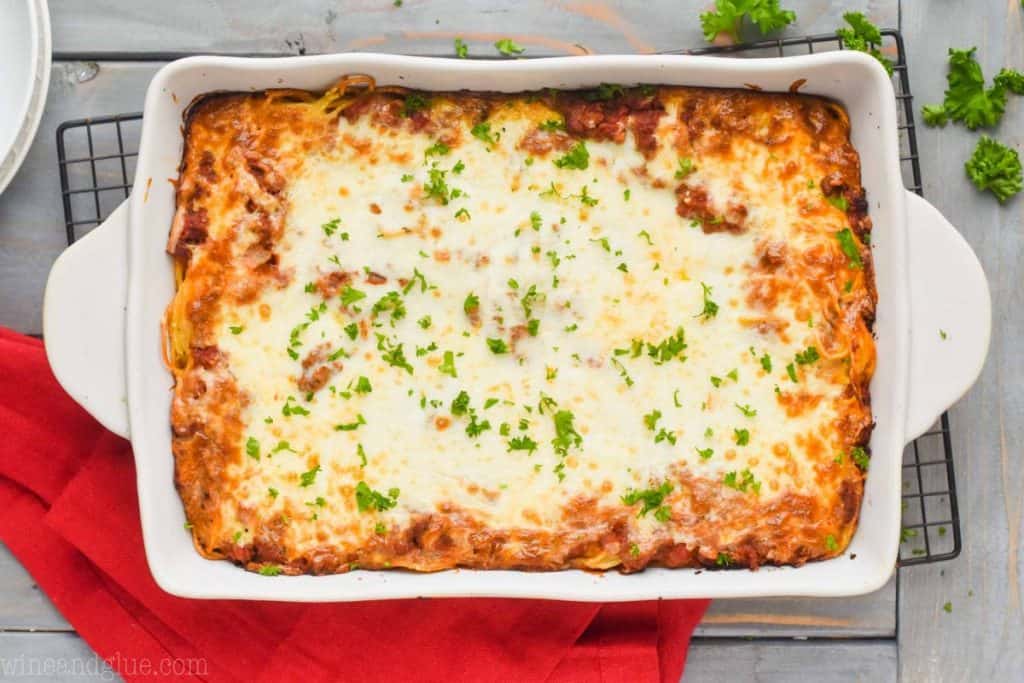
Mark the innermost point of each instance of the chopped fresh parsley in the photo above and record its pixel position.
(460, 404)
(475, 428)
(791, 371)
(848, 243)
(746, 410)
(522, 443)
(472, 304)
(350, 295)
(566, 435)
(351, 426)
(723, 559)
(995, 167)
(482, 132)
(743, 481)
(665, 435)
(273, 492)
(497, 346)
(392, 304)
(367, 499)
(352, 330)
(830, 542)
(710, 307)
(252, 448)
(535, 220)
(860, 457)
(604, 92)
(943, 335)
(363, 385)
(651, 499)
(461, 50)
(331, 226)
(577, 158)
(742, 436)
(437, 149)
(766, 362)
(394, 354)
(414, 102)
(236, 329)
(704, 453)
(289, 409)
(675, 399)
(651, 419)
(552, 125)
(270, 570)
(437, 186)
(447, 366)
(838, 201)
(669, 348)
(808, 356)
(424, 322)
(508, 47)
(686, 167)
(283, 446)
(646, 236)
(306, 479)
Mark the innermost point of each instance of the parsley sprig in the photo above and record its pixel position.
(967, 100)
(863, 36)
(728, 17)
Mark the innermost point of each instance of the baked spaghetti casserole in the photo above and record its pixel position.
(595, 329)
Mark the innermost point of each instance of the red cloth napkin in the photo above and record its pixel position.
(67, 489)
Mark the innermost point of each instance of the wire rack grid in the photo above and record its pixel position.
(97, 163)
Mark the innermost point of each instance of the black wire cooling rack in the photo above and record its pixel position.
(97, 163)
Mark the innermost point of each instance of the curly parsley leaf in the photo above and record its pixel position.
(863, 36)
(1011, 80)
(996, 168)
(728, 17)
(461, 49)
(934, 115)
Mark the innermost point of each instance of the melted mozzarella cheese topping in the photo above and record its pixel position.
(615, 274)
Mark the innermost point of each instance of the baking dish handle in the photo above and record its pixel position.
(950, 315)
(83, 320)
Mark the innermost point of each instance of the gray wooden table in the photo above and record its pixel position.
(106, 52)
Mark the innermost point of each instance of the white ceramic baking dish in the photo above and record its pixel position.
(106, 295)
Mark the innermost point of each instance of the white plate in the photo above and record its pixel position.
(106, 297)
(24, 79)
